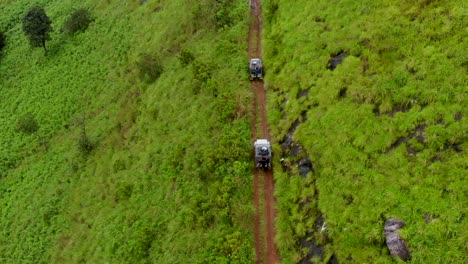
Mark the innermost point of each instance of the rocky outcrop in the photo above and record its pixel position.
(395, 243)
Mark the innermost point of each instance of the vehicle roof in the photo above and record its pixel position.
(262, 142)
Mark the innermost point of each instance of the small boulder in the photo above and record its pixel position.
(395, 243)
(305, 165)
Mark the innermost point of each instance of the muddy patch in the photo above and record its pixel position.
(314, 249)
(302, 93)
(458, 116)
(399, 108)
(287, 142)
(429, 218)
(454, 146)
(310, 242)
(457, 147)
(295, 150)
(436, 159)
(418, 134)
(376, 110)
(304, 116)
(296, 157)
(282, 100)
(364, 65)
(342, 93)
(405, 107)
(336, 59)
(292, 152)
(305, 166)
(333, 260)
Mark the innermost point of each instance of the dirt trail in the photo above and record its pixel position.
(265, 248)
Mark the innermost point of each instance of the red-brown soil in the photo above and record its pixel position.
(265, 248)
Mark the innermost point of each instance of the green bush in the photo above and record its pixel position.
(27, 124)
(201, 71)
(149, 68)
(186, 57)
(85, 145)
(78, 21)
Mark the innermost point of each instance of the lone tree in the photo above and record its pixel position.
(85, 145)
(36, 26)
(27, 124)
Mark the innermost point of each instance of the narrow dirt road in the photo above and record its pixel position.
(265, 248)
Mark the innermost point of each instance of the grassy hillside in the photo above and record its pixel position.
(380, 92)
(168, 178)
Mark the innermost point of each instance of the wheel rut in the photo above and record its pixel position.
(263, 181)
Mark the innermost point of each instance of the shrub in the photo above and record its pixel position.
(201, 71)
(27, 124)
(149, 67)
(84, 144)
(79, 20)
(185, 57)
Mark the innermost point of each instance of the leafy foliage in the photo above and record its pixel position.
(186, 57)
(85, 144)
(36, 26)
(150, 68)
(27, 124)
(78, 21)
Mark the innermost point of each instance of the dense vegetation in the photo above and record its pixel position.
(143, 109)
(386, 130)
(129, 142)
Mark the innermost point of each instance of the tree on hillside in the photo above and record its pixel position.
(79, 20)
(36, 26)
(27, 124)
(85, 145)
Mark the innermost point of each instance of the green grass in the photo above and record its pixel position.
(404, 78)
(169, 178)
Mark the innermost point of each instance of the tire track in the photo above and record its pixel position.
(265, 248)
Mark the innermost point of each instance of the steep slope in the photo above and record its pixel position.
(368, 105)
(167, 180)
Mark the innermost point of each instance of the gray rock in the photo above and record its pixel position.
(395, 243)
(305, 165)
